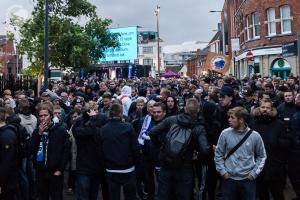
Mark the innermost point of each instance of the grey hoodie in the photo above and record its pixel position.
(29, 122)
(249, 159)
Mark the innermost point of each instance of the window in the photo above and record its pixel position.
(271, 22)
(147, 49)
(148, 61)
(248, 28)
(256, 25)
(286, 21)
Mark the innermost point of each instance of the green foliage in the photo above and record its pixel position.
(71, 44)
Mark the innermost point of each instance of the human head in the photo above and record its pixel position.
(57, 111)
(75, 114)
(164, 93)
(106, 98)
(192, 107)
(150, 105)
(139, 104)
(269, 88)
(171, 102)
(116, 110)
(133, 91)
(2, 115)
(266, 107)
(237, 117)
(289, 96)
(159, 111)
(45, 111)
(226, 96)
(24, 107)
(64, 96)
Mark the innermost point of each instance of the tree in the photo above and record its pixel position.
(71, 43)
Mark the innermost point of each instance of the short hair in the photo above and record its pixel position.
(192, 106)
(269, 85)
(116, 110)
(139, 100)
(56, 107)
(162, 105)
(46, 106)
(106, 95)
(240, 112)
(267, 101)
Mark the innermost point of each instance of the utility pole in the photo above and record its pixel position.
(158, 49)
(46, 44)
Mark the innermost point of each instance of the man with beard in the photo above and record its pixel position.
(273, 132)
(287, 109)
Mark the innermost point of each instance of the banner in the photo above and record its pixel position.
(217, 62)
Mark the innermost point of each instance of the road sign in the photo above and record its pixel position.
(249, 55)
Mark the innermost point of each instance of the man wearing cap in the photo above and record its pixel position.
(247, 100)
(226, 102)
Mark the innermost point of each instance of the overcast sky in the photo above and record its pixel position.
(180, 20)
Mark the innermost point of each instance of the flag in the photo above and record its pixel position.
(217, 62)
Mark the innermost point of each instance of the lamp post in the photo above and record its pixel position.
(156, 12)
(46, 44)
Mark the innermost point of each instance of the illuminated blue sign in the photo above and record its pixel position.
(128, 45)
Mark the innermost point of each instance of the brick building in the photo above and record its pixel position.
(196, 63)
(267, 28)
(8, 57)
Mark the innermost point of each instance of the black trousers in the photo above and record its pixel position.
(49, 186)
(117, 180)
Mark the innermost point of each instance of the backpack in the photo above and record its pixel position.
(175, 145)
(23, 140)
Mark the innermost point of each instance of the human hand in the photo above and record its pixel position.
(226, 175)
(42, 128)
(57, 173)
(250, 177)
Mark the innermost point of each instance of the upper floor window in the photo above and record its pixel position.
(147, 49)
(271, 21)
(285, 18)
(248, 28)
(256, 25)
(148, 61)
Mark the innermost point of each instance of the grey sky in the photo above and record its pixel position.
(180, 20)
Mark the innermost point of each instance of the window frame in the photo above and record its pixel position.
(288, 19)
(255, 34)
(248, 27)
(271, 22)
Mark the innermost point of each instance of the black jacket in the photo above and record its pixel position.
(87, 163)
(295, 132)
(8, 157)
(222, 116)
(286, 110)
(117, 144)
(58, 148)
(198, 142)
(276, 142)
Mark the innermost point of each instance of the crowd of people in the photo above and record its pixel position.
(202, 137)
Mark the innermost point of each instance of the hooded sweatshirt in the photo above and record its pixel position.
(125, 99)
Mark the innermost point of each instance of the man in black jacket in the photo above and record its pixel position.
(8, 160)
(118, 147)
(294, 154)
(287, 109)
(273, 132)
(89, 169)
(180, 176)
(50, 147)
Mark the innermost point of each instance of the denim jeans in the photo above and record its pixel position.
(175, 181)
(87, 187)
(116, 180)
(238, 189)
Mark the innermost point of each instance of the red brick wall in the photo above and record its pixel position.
(261, 6)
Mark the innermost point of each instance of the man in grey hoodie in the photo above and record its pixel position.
(240, 170)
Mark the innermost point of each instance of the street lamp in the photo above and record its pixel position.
(46, 44)
(156, 12)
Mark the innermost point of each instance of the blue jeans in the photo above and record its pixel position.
(179, 181)
(87, 187)
(238, 189)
